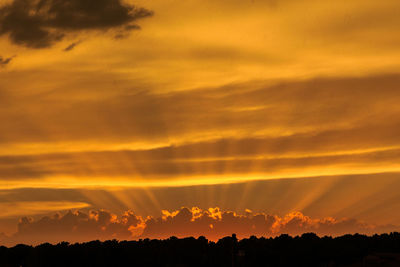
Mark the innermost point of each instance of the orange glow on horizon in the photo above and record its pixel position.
(181, 223)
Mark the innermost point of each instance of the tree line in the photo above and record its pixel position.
(305, 250)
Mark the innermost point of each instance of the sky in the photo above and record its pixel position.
(151, 118)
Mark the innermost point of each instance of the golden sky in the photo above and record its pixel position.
(276, 106)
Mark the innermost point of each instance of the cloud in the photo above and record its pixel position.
(41, 23)
(213, 223)
(5, 61)
(376, 201)
(248, 109)
(171, 164)
(239, 129)
(252, 128)
(77, 226)
(317, 197)
(71, 46)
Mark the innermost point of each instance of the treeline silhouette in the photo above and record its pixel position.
(306, 250)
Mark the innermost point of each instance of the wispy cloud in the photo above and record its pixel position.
(71, 46)
(305, 128)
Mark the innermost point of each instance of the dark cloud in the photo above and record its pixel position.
(71, 46)
(41, 23)
(212, 223)
(77, 226)
(5, 61)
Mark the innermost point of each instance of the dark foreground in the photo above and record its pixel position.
(307, 250)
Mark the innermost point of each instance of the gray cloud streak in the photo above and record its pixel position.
(5, 61)
(42, 23)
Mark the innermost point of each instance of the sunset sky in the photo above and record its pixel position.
(148, 116)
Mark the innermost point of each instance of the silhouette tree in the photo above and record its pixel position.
(306, 250)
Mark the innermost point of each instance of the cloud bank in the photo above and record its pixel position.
(41, 23)
(213, 223)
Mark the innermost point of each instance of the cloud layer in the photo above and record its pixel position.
(41, 23)
(306, 128)
(212, 223)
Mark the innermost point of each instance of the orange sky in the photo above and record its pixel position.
(276, 106)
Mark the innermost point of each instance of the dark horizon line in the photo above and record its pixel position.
(201, 237)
